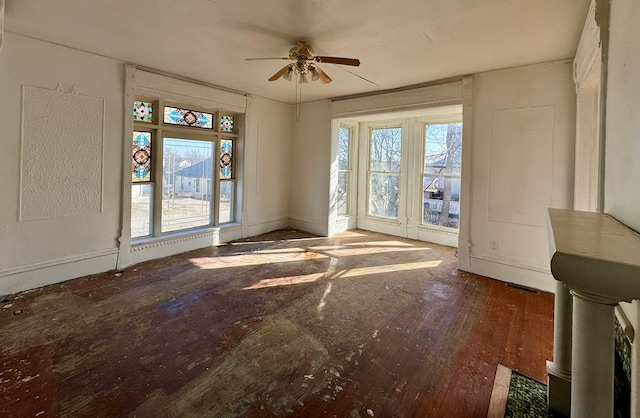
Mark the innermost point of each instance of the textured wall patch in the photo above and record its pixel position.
(61, 161)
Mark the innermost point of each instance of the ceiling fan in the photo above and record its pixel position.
(306, 64)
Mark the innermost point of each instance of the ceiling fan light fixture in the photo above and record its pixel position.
(303, 78)
(288, 74)
(314, 73)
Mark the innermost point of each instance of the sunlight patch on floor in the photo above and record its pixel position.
(390, 268)
(343, 274)
(342, 252)
(255, 258)
(285, 281)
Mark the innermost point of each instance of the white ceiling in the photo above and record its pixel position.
(399, 42)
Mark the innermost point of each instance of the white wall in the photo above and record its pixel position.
(46, 220)
(310, 168)
(268, 141)
(622, 199)
(522, 152)
(622, 164)
(61, 166)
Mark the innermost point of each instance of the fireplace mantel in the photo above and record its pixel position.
(595, 253)
(597, 258)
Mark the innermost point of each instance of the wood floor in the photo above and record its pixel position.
(286, 324)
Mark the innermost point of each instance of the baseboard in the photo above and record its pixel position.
(307, 226)
(521, 275)
(264, 226)
(36, 275)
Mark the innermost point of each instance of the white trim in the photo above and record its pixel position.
(515, 272)
(143, 83)
(60, 261)
(316, 227)
(589, 48)
(430, 96)
(165, 247)
(464, 231)
(155, 85)
(264, 226)
(17, 279)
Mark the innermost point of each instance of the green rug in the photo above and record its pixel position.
(527, 398)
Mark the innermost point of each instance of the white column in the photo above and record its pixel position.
(593, 356)
(559, 370)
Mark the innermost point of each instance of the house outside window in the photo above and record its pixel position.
(177, 177)
(441, 174)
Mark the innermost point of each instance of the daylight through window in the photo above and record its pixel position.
(183, 173)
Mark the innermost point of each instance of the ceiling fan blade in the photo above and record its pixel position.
(337, 60)
(279, 73)
(324, 78)
(267, 58)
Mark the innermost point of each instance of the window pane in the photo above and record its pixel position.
(441, 182)
(383, 195)
(344, 137)
(441, 201)
(186, 184)
(342, 195)
(142, 111)
(226, 159)
(443, 149)
(225, 213)
(226, 124)
(385, 149)
(186, 117)
(141, 156)
(141, 201)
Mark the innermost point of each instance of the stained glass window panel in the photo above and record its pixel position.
(186, 117)
(226, 124)
(226, 159)
(141, 156)
(142, 111)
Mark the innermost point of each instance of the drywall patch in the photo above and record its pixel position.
(61, 156)
(521, 165)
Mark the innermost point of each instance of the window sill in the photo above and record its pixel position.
(183, 235)
(440, 229)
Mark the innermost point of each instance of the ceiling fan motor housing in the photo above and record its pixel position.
(302, 51)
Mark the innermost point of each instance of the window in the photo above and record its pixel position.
(175, 181)
(343, 195)
(441, 174)
(183, 205)
(227, 180)
(384, 172)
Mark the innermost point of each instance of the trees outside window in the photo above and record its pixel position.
(385, 146)
(441, 174)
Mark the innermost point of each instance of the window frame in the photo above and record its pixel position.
(160, 132)
(372, 127)
(425, 123)
(348, 171)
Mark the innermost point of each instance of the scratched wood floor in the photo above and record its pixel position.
(283, 325)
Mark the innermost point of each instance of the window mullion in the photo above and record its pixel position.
(156, 218)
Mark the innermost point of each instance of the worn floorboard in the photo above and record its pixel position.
(286, 324)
